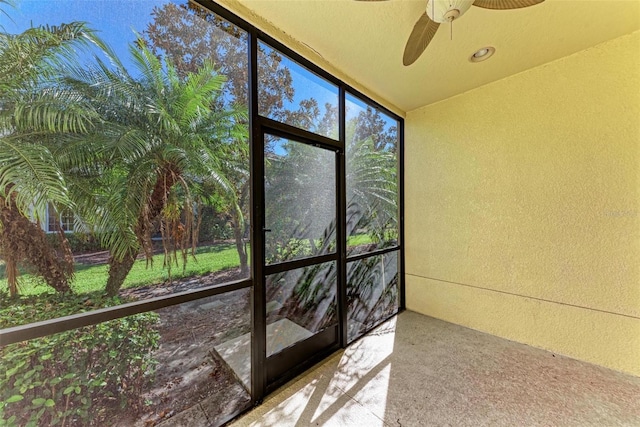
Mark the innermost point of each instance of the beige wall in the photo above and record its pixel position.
(523, 206)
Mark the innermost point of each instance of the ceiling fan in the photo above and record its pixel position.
(442, 11)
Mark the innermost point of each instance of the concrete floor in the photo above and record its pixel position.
(418, 371)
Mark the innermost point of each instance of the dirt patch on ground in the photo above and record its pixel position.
(181, 285)
(190, 371)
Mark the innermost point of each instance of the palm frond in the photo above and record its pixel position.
(41, 52)
(30, 172)
(53, 111)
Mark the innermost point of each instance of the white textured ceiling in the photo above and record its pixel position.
(365, 40)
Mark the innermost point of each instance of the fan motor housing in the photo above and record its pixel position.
(447, 10)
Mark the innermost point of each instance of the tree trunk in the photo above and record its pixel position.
(11, 269)
(118, 271)
(24, 241)
(240, 247)
(238, 230)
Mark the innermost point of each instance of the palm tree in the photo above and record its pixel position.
(157, 139)
(29, 175)
(236, 192)
(372, 189)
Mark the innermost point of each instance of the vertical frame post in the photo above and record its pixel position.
(341, 190)
(401, 275)
(258, 316)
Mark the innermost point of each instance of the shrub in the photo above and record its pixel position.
(77, 377)
(214, 226)
(79, 242)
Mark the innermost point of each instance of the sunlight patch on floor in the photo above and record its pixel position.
(372, 392)
(350, 388)
(366, 357)
(290, 410)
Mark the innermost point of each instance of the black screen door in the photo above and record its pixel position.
(301, 261)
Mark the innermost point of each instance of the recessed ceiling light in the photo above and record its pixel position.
(482, 54)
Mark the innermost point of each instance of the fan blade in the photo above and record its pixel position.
(505, 4)
(422, 33)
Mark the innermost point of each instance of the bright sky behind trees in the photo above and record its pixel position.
(118, 21)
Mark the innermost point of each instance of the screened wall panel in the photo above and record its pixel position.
(300, 303)
(300, 207)
(141, 201)
(371, 178)
(291, 94)
(190, 361)
(373, 293)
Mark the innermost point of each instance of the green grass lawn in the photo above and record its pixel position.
(359, 239)
(92, 278)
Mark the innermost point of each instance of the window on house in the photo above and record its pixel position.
(59, 221)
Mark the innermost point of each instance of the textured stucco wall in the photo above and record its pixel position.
(523, 206)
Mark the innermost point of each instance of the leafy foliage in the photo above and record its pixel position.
(159, 139)
(78, 377)
(30, 176)
(28, 62)
(190, 35)
(79, 242)
(213, 225)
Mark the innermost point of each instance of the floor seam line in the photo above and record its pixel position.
(364, 406)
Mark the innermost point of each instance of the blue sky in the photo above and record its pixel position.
(114, 20)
